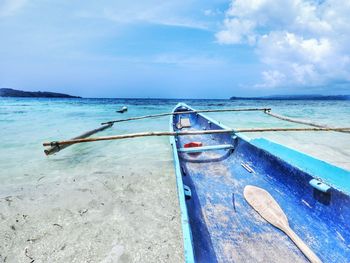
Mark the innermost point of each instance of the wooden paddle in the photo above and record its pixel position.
(269, 209)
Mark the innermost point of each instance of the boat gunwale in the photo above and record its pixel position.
(254, 142)
(186, 228)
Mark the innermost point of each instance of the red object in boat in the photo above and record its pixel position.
(193, 144)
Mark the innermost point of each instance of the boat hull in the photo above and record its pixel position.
(220, 226)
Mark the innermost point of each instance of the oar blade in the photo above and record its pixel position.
(266, 206)
(269, 209)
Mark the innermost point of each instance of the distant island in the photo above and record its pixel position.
(295, 97)
(33, 94)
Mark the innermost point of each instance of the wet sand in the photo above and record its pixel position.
(125, 212)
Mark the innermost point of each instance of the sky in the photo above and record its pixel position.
(176, 49)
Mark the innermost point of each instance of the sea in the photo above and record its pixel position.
(116, 201)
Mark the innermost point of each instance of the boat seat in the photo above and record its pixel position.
(206, 148)
(183, 123)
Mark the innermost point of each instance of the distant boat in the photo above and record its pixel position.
(220, 176)
(123, 109)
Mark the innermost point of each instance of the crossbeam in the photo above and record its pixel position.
(206, 148)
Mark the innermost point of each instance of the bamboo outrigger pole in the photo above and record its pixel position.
(148, 134)
(56, 148)
(183, 112)
(345, 129)
(306, 122)
(295, 120)
(133, 135)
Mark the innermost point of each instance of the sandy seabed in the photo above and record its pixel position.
(111, 210)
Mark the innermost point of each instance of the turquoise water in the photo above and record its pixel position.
(26, 123)
(103, 194)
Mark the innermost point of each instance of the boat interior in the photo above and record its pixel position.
(225, 228)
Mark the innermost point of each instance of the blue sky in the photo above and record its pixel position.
(176, 49)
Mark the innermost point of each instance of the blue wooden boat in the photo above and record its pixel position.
(219, 225)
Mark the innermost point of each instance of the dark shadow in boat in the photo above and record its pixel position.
(217, 159)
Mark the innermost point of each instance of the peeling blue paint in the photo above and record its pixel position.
(219, 225)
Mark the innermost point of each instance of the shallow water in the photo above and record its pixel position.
(110, 200)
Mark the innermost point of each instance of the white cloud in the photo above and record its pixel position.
(168, 13)
(212, 12)
(237, 31)
(272, 78)
(187, 60)
(208, 12)
(300, 42)
(9, 7)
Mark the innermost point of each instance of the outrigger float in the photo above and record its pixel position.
(249, 200)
